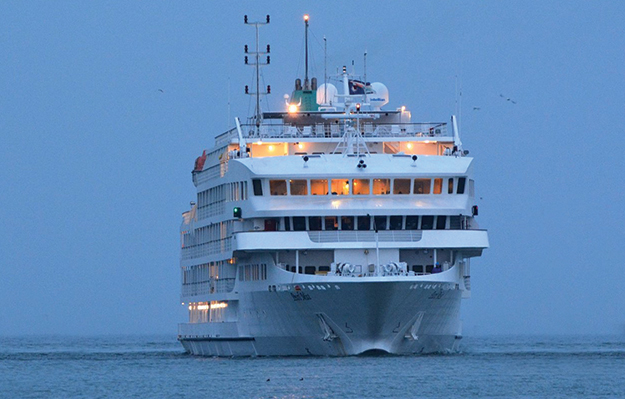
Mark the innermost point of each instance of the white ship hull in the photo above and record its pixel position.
(348, 316)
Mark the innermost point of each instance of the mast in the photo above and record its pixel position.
(325, 70)
(257, 64)
(306, 82)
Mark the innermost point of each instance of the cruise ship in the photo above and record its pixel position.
(332, 227)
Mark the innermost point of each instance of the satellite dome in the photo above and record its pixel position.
(331, 93)
(379, 97)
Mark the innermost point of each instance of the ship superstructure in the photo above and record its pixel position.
(336, 229)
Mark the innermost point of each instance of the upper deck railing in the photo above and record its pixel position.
(426, 130)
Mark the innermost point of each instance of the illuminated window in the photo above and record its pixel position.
(461, 183)
(299, 187)
(340, 187)
(422, 186)
(401, 186)
(361, 186)
(450, 185)
(381, 186)
(438, 186)
(277, 187)
(319, 187)
(331, 223)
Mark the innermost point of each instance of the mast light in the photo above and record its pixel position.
(292, 108)
(306, 17)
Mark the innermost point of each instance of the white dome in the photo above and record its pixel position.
(321, 93)
(379, 97)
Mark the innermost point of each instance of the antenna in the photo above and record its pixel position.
(365, 82)
(257, 64)
(228, 103)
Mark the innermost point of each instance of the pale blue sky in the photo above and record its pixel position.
(95, 161)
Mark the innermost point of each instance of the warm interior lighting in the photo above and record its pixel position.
(259, 142)
(271, 148)
(219, 305)
(403, 108)
(292, 108)
(300, 146)
(409, 146)
(427, 141)
(202, 307)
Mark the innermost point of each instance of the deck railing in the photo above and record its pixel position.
(327, 130)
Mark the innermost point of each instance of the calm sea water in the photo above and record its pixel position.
(154, 367)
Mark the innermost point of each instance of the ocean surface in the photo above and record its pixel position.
(157, 367)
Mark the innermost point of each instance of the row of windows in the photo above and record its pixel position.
(308, 269)
(340, 186)
(418, 269)
(253, 272)
(212, 232)
(394, 222)
(211, 202)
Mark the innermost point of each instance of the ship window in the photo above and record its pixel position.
(450, 185)
(299, 187)
(258, 187)
(428, 269)
(314, 223)
(441, 222)
(319, 187)
(427, 222)
(299, 223)
(340, 187)
(381, 186)
(461, 183)
(310, 270)
(331, 223)
(347, 223)
(277, 187)
(364, 222)
(324, 268)
(395, 222)
(401, 186)
(412, 222)
(379, 222)
(422, 186)
(454, 222)
(287, 224)
(361, 186)
(418, 269)
(438, 186)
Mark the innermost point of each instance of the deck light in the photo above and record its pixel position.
(271, 148)
(409, 145)
(300, 146)
(292, 108)
(237, 212)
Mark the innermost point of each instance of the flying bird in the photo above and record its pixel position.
(476, 108)
(507, 98)
(161, 90)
